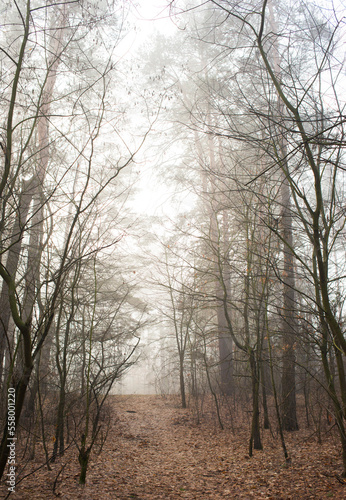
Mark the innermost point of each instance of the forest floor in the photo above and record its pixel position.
(156, 450)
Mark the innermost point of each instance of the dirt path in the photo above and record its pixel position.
(159, 452)
(162, 456)
(155, 450)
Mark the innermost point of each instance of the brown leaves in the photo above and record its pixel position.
(156, 451)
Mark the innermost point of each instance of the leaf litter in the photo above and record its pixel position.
(156, 450)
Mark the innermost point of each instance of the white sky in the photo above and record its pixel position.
(153, 197)
(148, 16)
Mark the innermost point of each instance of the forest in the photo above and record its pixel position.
(172, 215)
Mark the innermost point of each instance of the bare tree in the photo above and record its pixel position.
(52, 141)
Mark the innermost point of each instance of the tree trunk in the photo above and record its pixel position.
(182, 381)
(255, 438)
(225, 340)
(266, 424)
(20, 396)
(288, 383)
(14, 252)
(84, 454)
(59, 443)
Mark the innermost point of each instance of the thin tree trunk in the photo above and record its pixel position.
(266, 423)
(255, 438)
(288, 382)
(182, 380)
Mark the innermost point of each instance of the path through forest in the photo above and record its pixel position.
(156, 450)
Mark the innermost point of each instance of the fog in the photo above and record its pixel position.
(172, 216)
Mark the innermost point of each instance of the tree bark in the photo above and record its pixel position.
(288, 381)
(255, 438)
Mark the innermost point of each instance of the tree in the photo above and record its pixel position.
(312, 159)
(51, 180)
